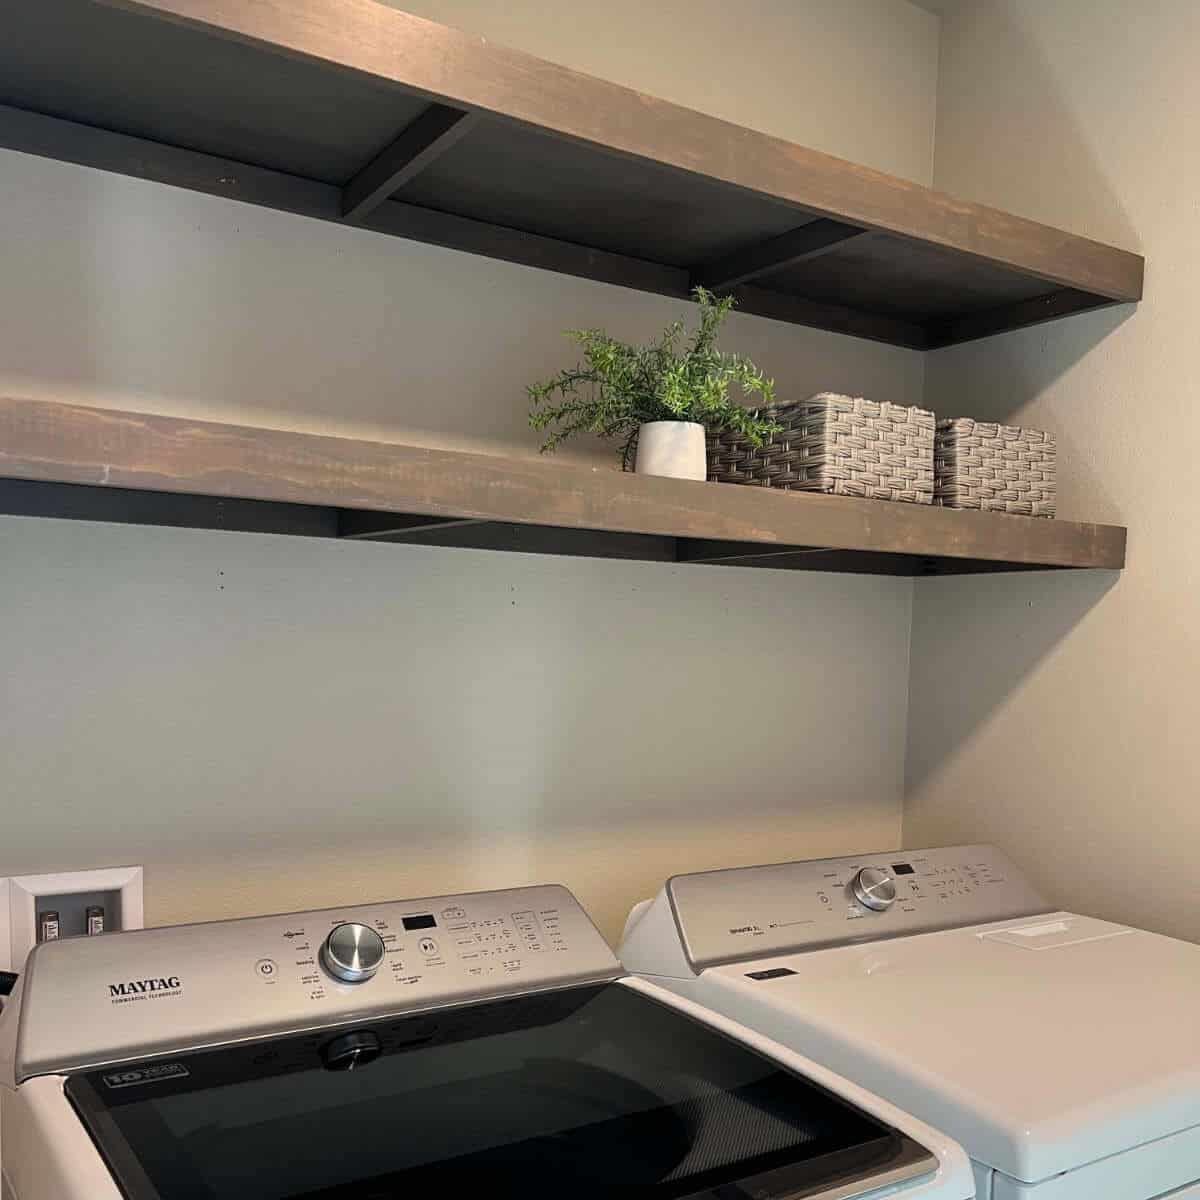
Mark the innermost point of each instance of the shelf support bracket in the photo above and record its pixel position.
(360, 525)
(427, 138)
(799, 245)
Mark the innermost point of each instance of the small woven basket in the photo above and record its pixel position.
(835, 444)
(995, 468)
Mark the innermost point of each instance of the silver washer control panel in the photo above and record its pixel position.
(90, 1001)
(752, 912)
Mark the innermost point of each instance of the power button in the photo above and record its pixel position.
(266, 969)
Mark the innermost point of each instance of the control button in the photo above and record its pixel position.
(351, 1050)
(428, 947)
(266, 969)
(874, 888)
(352, 952)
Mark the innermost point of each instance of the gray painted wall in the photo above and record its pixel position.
(274, 724)
(271, 723)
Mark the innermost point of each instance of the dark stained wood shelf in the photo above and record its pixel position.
(346, 110)
(63, 460)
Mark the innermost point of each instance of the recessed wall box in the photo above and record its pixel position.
(118, 890)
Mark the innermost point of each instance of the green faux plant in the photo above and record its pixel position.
(618, 387)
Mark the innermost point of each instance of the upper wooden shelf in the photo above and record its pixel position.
(346, 110)
(99, 464)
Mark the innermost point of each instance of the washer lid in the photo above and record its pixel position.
(1040, 1044)
(591, 1092)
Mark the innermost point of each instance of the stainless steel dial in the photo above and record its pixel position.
(352, 952)
(874, 888)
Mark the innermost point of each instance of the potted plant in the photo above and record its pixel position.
(657, 399)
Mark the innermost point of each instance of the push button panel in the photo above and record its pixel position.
(204, 984)
(472, 942)
(750, 912)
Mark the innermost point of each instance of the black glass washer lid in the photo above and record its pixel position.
(580, 1091)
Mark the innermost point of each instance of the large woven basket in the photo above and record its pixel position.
(996, 468)
(835, 444)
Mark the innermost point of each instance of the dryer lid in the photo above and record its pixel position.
(1040, 1044)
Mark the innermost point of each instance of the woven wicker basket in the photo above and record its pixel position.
(834, 444)
(996, 468)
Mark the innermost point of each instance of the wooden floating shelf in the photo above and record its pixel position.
(349, 111)
(63, 460)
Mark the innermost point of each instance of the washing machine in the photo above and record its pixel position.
(1061, 1051)
(485, 1044)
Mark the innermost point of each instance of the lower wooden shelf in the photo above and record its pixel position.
(64, 460)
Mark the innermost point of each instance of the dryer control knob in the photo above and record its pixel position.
(352, 952)
(874, 888)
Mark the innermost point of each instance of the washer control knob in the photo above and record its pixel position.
(352, 952)
(874, 888)
(350, 1051)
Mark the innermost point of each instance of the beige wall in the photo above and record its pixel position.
(1055, 714)
(855, 78)
(273, 723)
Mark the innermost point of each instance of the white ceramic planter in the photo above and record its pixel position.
(672, 448)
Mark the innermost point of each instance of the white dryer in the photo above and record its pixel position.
(485, 1044)
(1061, 1051)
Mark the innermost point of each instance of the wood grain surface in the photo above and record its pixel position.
(66, 443)
(469, 72)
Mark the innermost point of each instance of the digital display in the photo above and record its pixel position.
(902, 869)
(422, 922)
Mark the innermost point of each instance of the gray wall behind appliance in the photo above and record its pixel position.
(275, 724)
(1055, 714)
